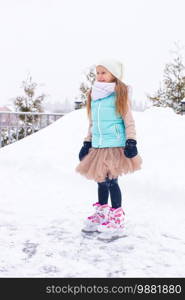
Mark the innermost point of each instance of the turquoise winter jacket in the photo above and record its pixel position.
(108, 128)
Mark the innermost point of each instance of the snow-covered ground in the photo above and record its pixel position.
(43, 203)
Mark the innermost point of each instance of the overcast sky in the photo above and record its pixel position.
(55, 40)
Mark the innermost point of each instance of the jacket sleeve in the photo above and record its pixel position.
(128, 118)
(89, 131)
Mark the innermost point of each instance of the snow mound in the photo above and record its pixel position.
(43, 203)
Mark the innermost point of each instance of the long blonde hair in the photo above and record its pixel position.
(121, 90)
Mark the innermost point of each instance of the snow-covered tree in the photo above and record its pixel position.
(172, 90)
(29, 103)
(88, 79)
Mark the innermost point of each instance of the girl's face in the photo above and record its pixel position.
(103, 75)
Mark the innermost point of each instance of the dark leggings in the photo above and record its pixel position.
(115, 192)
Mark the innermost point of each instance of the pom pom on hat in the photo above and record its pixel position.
(113, 66)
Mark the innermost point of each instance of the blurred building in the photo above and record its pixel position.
(7, 119)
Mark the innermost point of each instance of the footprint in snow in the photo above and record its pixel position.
(30, 248)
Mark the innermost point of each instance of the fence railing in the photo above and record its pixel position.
(16, 125)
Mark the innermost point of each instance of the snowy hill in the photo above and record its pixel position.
(43, 203)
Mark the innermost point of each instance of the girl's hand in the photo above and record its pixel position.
(130, 149)
(85, 149)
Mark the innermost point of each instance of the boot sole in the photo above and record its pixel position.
(89, 231)
(108, 240)
(104, 237)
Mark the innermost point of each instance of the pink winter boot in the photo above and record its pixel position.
(114, 227)
(100, 216)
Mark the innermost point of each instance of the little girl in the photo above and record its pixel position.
(109, 149)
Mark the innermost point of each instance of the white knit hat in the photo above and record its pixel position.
(113, 66)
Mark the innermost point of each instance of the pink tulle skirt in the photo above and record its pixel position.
(102, 162)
